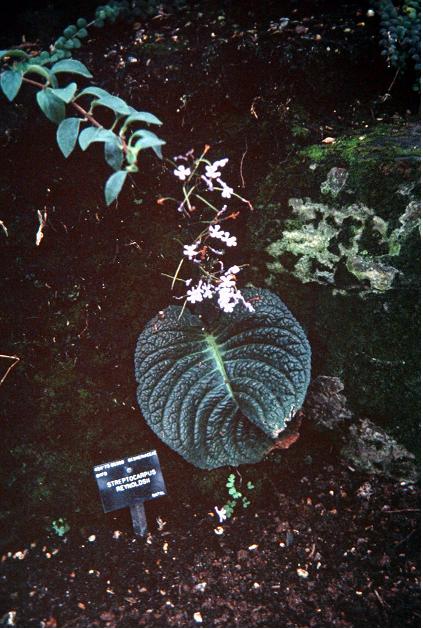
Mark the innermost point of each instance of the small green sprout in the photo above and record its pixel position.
(236, 496)
(60, 527)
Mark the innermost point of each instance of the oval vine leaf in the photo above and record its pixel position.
(222, 394)
(94, 134)
(94, 91)
(113, 153)
(12, 52)
(114, 186)
(66, 93)
(114, 103)
(50, 105)
(10, 82)
(67, 134)
(73, 66)
(34, 68)
(142, 116)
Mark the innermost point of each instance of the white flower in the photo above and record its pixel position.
(195, 294)
(233, 270)
(207, 291)
(221, 163)
(212, 171)
(221, 514)
(214, 231)
(190, 251)
(227, 192)
(209, 183)
(228, 295)
(226, 281)
(182, 172)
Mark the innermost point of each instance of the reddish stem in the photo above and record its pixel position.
(79, 109)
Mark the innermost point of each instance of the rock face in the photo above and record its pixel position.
(339, 225)
(370, 449)
(325, 406)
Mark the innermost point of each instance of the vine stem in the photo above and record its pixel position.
(80, 110)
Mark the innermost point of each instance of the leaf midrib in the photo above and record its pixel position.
(217, 357)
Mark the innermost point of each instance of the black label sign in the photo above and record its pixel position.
(130, 480)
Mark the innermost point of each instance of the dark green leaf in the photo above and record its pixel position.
(14, 53)
(73, 66)
(142, 116)
(67, 134)
(41, 71)
(10, 82)
(70, 31)
(113, 153)
(94, 134)
(94, 91)
(148, 139)
(114, 103)
(114, 186)
(65, 93)
(221, 394)
(51, 105)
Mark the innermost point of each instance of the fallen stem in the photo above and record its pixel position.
(16, 359)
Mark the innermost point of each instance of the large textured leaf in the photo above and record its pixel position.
(221, 395)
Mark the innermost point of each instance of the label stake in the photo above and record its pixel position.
(139, 519)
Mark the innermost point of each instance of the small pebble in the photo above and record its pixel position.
(91, 538)
(200, 587)
(302, 573)
(198, 617)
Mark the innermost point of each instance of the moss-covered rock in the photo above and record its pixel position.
(336, 233)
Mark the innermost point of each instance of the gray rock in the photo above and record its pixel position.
(370, 449)
(325, 406)
(335, 181)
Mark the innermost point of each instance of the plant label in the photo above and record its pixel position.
(129, 482)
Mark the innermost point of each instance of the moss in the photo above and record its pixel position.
(300, 132)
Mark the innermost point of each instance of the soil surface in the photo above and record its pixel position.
(338, 550)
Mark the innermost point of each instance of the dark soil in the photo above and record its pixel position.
(320, 545)
(338, 550)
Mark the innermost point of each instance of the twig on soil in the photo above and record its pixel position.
(405, 538)
(380, 599)
(403, 511)
(16, 359)
(241, 164)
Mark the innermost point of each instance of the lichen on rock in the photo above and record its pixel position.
(320, 239)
